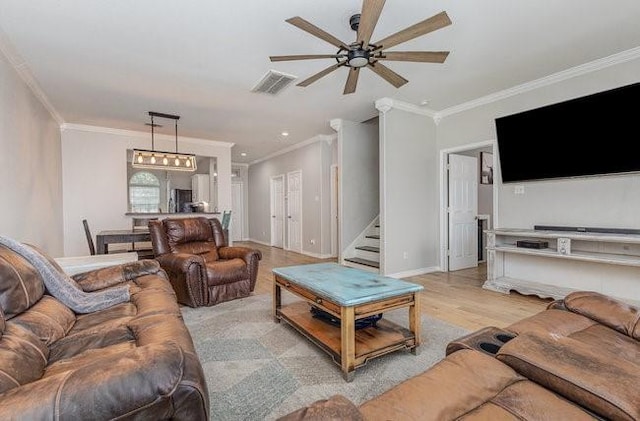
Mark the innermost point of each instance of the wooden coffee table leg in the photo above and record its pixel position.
(348, 342)
(414, 321)
(276, 300)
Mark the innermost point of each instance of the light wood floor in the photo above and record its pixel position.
(454, 297)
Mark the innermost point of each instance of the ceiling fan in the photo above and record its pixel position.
(363, 53)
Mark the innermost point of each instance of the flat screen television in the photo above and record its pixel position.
(592, 135)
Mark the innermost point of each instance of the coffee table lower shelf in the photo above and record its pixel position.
(370, 342)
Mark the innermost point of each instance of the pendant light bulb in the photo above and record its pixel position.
(188, 163)
(177, 162)
(165, 160)
(153, 159)
(140, 159)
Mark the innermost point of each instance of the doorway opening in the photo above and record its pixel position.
(469, 203)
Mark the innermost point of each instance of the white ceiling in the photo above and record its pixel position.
(107, 63)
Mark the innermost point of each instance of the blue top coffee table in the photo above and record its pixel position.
(348, 294)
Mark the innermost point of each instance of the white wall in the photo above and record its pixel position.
(409, 193)
(244, 178)
(313, 159)
(359, 178)
(30, 166)
(610, 201)
(94, 177)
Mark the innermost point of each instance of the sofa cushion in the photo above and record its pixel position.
(23, 357)
(337, 407)
(137, 384)
(588, 375)
(559, 322)
(48, 319)
(472, 384)
(226, 271)
(606, 310)
(21, 285)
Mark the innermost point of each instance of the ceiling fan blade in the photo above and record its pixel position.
(418, 56)
(318, 75)
(388, 74)
(315, 31)
(428, 25)
(352, 81)
(369, 16)
(305, 57)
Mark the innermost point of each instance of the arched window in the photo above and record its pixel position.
(144, 192)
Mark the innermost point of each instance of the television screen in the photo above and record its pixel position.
(593, 135)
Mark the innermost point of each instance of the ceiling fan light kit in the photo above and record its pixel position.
(363, 53)
(159, 160)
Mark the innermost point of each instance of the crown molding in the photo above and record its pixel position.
(21, 67)
(317, 138)
(580, 70)
(239, 164)
(133, 133)
(385, 104)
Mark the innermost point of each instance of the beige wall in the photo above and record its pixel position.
(95, 178)
(30, 166)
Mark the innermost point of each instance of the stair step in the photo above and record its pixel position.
(364, 262)
(369, 248)
(377, 237)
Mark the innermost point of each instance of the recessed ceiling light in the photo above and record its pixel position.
(285, 133)
(424, 102)
(243, 154)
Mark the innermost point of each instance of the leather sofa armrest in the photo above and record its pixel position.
(605, 310)
(187, 274)
(132, 384)
(114, 275)
(244, 253)
(600, 383)
(337, 407)
(179, 261)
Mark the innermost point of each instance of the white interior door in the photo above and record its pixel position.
(463, 211)
(277, 211)
(294, 210)
(237, 214)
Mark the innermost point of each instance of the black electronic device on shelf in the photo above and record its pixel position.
(332, 320)
(532, 244)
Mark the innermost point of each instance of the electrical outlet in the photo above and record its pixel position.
(405, 255)
(519, 189)
(312, 241)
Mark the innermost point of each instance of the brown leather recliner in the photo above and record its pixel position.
(203, 270)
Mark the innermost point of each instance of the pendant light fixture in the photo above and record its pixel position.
(163, 160)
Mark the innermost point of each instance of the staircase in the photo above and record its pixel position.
(366, 253)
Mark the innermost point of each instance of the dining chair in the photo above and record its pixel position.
(92, 246)
(226, 220)
(145, 248)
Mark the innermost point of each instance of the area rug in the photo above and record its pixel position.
(257, 369)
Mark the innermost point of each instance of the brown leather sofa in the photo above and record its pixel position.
(133, 360)
(577, 360)
(203, 270)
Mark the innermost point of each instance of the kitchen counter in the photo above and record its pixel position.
(166, 214)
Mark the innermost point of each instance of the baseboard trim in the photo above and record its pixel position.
(414, 272)
(317, 255)
(264, 243)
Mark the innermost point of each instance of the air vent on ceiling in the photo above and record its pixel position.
(273, 82)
